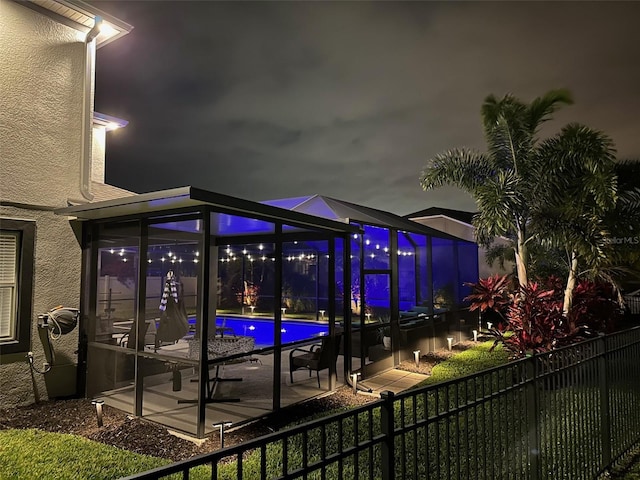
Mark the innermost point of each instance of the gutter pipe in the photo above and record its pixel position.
(87, 114)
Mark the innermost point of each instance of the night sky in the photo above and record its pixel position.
(348, 99)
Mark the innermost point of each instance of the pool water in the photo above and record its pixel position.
(262, 329)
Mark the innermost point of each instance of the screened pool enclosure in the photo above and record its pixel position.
(199, 308)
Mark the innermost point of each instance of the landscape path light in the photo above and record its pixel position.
(98, 404)
(354, 382)
(321, 314)
(489, 325)
(450, 341)
(416, 357)
(222, 425)
(475, 335)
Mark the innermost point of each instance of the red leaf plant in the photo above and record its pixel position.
(530, 319)
(491, 294)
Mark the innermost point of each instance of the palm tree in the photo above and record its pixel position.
(502, 179)
(577, 190)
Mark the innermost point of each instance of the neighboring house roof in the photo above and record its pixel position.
(327, 207)
(460, 215)
(82, 16)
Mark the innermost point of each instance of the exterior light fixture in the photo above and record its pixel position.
(283, 310)
(222, 425)
(368, 315)
(98, 404)
(450, 342)
(416, 357)
(253, 309)
(321, 314)
(489, 325)
(475, 335)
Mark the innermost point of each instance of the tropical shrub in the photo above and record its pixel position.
(530, 318)
(491, 295)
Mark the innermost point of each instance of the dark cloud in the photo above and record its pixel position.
(348, 99)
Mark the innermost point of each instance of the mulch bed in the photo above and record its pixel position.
(78, 417)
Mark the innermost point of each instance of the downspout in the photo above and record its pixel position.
(87, 115)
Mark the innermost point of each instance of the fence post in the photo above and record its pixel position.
(605, 424)
(532, 402)
(387, 426)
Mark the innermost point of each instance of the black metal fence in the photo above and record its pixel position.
(567, 414)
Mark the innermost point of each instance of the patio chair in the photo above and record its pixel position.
(317, 357)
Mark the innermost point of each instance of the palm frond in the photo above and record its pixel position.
(464, 169)
(541, 109)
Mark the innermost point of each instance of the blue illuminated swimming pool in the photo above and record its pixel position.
(262, 329)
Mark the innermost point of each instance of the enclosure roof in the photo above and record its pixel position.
(154, 203)
(327, 207)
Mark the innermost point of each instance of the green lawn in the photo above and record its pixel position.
(27, 454)
(36, 454)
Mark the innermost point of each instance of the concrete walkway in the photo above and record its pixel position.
(393, 380)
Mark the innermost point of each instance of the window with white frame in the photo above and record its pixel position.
(9, 243)
(17, 249)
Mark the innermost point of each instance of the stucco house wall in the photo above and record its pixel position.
(41, 72)
(42, 80)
